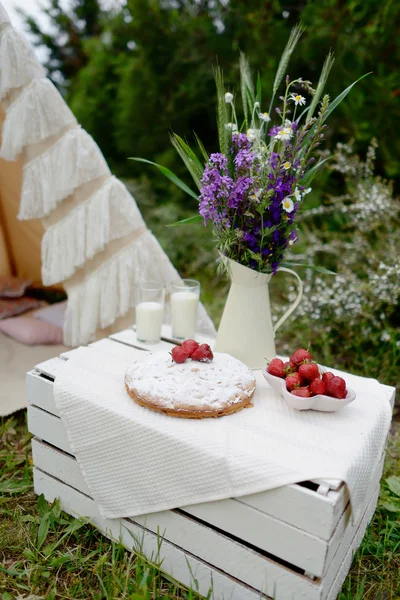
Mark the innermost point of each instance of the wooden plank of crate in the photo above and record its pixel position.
(166, 334)
(346, 529)
(302, 507)
(118, 349)
(39, 392)
(332, 583)
(128, 336)
(182, 566)
(48, 427)
(204, 542)
(287, 542)
(281, 582)
(50, 368)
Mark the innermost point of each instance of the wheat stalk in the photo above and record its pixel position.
(328, 64)
(294, 37)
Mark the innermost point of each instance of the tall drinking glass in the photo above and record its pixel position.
(149, 296)
(185, 296)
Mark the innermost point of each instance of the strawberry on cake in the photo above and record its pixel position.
(191, 382)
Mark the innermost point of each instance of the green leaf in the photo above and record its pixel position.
(169, 174)
(342, 96)
(328, 64)
(189, 158)
(43, 530)
(193, 219)
(311, 267)
(311, 173)
(6, 596)
(394, 484)
(222, 112)
(202, 149)
(392, 506)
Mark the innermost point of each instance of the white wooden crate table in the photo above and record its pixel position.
(290, 543)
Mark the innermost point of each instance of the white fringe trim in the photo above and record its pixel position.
(4, 18)
(38, 113)
(52, 176)
(108, 214)
(18, 62)
(108, 292)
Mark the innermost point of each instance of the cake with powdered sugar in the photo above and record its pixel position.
(192, 390)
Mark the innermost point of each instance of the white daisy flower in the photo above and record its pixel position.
(286, 165)
(284, 134)
(298, 100)
(228, 97)
(264, 117)
(251, 134)
(287, 204)
(255, 194)
(256, 105)
(297, 194)
(231, 126)
(307, 191)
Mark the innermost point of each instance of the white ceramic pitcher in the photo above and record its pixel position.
(246, 329)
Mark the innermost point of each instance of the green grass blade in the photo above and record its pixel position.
(203, 151)
(259, 91)
(194, 219)
(189, 158)
(326, 69)
(343, 95)
(168, 174)
(222, 112)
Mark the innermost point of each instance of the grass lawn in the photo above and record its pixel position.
(46, 554)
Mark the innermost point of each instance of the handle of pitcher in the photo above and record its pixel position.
(295, 303)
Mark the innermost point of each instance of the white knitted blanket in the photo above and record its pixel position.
(136, 461)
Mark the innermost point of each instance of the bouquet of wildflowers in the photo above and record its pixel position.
(253, 188)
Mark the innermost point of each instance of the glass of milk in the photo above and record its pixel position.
(149, 296)
(185, 296)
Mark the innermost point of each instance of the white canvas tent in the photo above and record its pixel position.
(62, 210)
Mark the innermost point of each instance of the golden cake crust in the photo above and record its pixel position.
(192, 390)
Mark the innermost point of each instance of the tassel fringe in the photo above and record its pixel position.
(4, 18)
(73, 160)
(108, 292)
(18, 62)
(38, 113)
(108, 214)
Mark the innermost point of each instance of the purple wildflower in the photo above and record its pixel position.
(244, 159)
(240, 142)
(239, 191)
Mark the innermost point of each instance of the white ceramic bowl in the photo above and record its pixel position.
(319, 402)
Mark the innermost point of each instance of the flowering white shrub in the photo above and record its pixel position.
(357, 235)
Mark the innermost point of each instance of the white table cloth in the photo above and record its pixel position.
(136, 461)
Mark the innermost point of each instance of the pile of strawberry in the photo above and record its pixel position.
(192, 349)
(303, 378)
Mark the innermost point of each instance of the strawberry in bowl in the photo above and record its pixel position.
(305, 385)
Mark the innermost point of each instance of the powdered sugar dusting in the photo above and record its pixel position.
(191, 385)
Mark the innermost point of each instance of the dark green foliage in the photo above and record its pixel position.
(133, 75)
